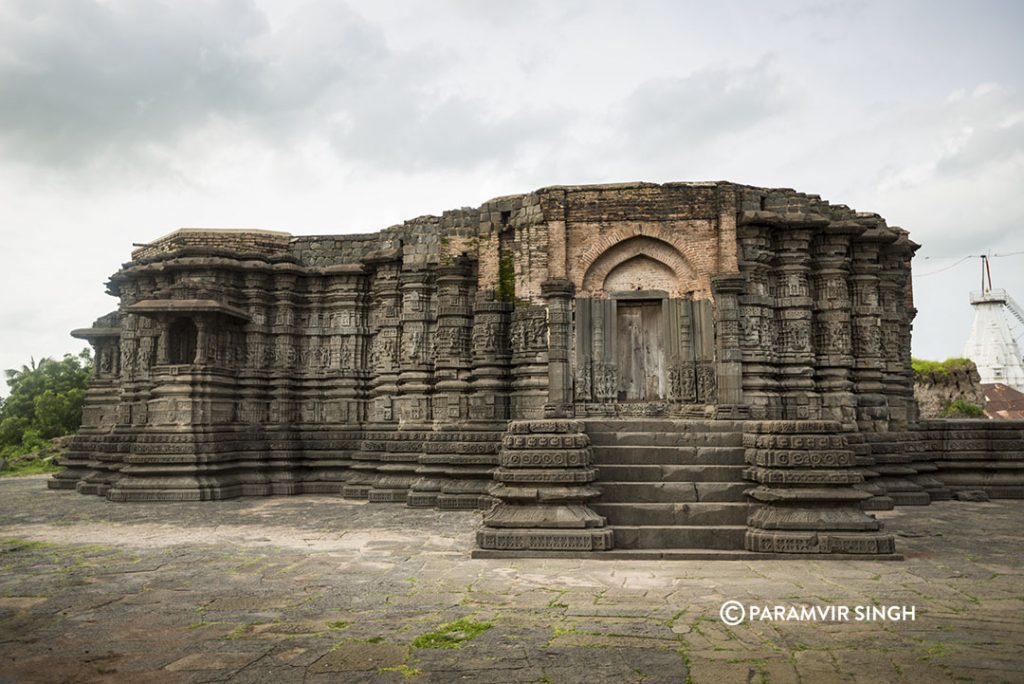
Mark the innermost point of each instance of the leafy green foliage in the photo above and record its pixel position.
(45, 402)
(922, 366)
(959, 408)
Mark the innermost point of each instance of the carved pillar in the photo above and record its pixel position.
(489, 402)
(794, 305)
(833, 343)
(889, 449)
(337, 384)
(866, 320)
(450, 401)
(415, 380)
(529, 333)
(758, 334)
(729, 355)
(894, 285)
(558, 294)
(385, 329)
(453, 356)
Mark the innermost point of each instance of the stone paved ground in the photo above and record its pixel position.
(318, 589)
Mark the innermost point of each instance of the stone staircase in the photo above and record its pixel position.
(673, 488)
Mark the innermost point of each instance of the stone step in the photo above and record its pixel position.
(595, 425)
(670, 473)
(668, 455)
(673, 513)
(672, 492)
(691, 439)
(679, 537)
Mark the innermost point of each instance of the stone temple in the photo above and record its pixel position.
(668, 371)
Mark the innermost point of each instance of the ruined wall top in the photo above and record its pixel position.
(676, 236)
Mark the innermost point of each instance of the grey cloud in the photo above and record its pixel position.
(79, 77)
(702, 108)
(995, 121)
(79, 80)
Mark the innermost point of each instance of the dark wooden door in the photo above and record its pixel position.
(641, 358)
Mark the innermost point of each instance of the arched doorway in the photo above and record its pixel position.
(640, 343)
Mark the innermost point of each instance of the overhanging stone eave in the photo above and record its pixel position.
(95, 333)
(186, 306)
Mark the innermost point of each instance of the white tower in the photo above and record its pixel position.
(991, 344)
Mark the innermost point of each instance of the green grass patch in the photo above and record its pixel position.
(338, 624)
(452, 635)
(23, 468)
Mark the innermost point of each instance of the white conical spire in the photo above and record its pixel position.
(991, 344)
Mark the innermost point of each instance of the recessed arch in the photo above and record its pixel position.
(661, 257)
(640, 272)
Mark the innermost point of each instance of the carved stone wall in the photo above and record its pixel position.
(422, 363)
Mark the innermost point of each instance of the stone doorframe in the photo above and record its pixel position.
(688, 344)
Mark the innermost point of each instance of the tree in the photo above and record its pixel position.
(45, 401)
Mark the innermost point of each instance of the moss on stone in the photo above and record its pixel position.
(507, 277)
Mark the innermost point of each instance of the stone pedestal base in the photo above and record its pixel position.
(807, 501)
(543, 486)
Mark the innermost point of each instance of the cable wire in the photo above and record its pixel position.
(946, 268)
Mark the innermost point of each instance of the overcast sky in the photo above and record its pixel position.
(125, 119)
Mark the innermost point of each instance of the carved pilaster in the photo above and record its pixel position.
(833, 343)
(439, 465)
(793, 314)
(758, 334)
(415, 380)
(558, 295)
(489, 401)
(866, 319)
(728, 352)
(529, 335)
(385, 327)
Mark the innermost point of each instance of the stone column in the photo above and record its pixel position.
(489, 401)
(558, 294)
(794, 306)
(453, 357)
(888, 448)
(866, 319)
(543, 488)
(337, 358)
(415, 380)
(529, 333)
(758, 334)
(450, 401)
(833, 342)
(727, 291)
(385, 329)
